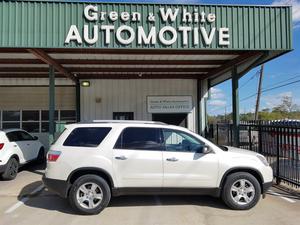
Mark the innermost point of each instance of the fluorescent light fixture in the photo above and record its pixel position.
(85, 83)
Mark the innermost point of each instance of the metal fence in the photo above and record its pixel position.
(278, 141)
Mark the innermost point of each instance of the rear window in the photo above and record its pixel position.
(139, 138)
(87, 136)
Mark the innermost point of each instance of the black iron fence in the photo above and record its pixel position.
(278, 141)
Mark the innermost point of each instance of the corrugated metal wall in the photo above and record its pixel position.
(16, 98)
(131, 96)
(45, 24)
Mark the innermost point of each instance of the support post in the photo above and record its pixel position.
(51, 104)
(235, 107)
(203, 94)
(78, 101)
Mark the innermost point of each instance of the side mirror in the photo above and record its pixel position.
(35, 138)
(206, 149)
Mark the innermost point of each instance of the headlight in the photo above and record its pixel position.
(263, 160)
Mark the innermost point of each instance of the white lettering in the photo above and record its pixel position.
(186, 16)
(107, 29)
(169, 14)
(185, 31)
(136, 16)
(142, 38)
(211, 17)
(113, 16)
(196, 36)
(90, 13)
(127, 29)
(73, 35)
(170, 30)
(86, 38)
(224, 36)
(207, 38)
(125, 16)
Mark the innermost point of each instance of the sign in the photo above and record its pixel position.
(169, 104)
(126, 27)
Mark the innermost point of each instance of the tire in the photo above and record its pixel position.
(41, 158)
(241, 191)
(11, 169)
(99, 196)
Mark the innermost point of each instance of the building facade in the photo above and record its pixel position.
(67, 61)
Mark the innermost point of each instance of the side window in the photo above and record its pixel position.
(23, 136)
(140, 138)
(179, 141)
(13, 136)
(87, 136)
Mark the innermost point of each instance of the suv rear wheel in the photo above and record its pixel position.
(241, 191)
(89, 194)
(11, 169)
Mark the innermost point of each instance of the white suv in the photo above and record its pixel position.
(90, 162)
(18, 147)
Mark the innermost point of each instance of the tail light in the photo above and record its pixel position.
(1, 146)
(53, 156)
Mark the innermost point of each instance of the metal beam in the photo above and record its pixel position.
(140, 62)
(228, 66)
(78, 101)
(235, 107)
(136, 69)
(143, 51)
(20, 61)
(40, 54)
(51, 104)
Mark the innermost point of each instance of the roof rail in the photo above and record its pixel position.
(125, 121)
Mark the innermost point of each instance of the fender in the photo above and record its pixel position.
(239, 169)
(95, 169)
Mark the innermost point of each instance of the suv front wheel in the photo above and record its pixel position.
(89, 194)
(241, 191)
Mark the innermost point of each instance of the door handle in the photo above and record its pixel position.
(173, 159)
(28, 144)
(122, 157)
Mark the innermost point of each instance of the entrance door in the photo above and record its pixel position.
(178, 119)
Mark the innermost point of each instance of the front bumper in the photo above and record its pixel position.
(266, 186)
(2, 168)
(60, 187)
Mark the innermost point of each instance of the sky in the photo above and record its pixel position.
(278, 71)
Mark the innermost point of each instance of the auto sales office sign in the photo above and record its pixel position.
(166, 26)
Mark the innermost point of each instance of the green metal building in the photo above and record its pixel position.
(134, 61)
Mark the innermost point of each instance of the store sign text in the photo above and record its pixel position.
(192, 27)
(169, 104)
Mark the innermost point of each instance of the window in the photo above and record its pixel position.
(179, 141)
(67, 115)
(13, 136)
(31, 121)
(123, 115)
(87, 136)
(11, 119)
(23, 136)
(19, 136)
(140, 138)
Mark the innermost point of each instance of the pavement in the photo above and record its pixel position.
(26, 201)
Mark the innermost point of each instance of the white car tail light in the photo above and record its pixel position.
(1, 146)
(53, 155)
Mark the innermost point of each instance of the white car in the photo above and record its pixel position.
(90, 162)
(17, 147)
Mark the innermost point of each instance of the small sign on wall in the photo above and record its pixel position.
(169, 104)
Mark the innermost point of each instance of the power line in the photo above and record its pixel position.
(251, 78)
(263, 91)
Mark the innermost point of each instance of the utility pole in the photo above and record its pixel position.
(259, 91)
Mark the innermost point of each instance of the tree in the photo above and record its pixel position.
(286, 105)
